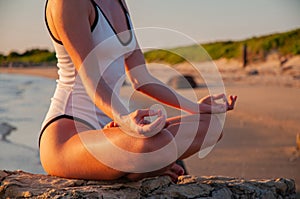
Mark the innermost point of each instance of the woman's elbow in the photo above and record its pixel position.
(137, 86)
(139, 83)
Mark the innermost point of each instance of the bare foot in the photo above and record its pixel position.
(173, 171)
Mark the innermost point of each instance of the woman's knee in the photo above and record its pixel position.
(210, 122)
(214, 131)
(157, 152)
(156, 142)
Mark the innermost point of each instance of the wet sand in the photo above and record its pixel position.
(48, 72)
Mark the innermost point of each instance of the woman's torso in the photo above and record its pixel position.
(70, 97)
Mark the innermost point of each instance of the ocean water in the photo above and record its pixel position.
(24, 101)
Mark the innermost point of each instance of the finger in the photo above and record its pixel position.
(153, 112)
(114, 124)
(158, 122)
(146, 112)
(234, 98)
(110, 125)
(232, 102)
(219, 96)
(155, 127)
(143, 112)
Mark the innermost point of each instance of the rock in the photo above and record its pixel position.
(252, 72)
(19, 184)
(182, 81)
(222, 193)
(5, 130)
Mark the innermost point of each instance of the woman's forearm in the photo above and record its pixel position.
(163, 93)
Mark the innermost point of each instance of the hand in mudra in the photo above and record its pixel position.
(136, 124)
(209, 103)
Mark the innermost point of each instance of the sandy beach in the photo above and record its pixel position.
(260, 134)
(48, 72)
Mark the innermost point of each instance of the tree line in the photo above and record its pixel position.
(28, 58)
(258, 48)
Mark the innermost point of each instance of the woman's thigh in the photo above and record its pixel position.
(63, 154)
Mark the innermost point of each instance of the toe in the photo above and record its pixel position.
(176, 168)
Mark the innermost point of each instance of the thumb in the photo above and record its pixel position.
(143, 112)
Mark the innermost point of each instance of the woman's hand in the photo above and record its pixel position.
(136, 124)
(209, 103)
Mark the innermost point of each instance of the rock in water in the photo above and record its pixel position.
(19, 184)
(180, 81)
(253, 72)
(5, 130)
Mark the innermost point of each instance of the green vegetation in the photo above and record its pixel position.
(285, 44)
(29, 57)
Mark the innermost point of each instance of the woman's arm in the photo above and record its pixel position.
(71, 21)
(144, 82)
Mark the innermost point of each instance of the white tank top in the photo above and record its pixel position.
(70, 97)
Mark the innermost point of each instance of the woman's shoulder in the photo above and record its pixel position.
(73, 6)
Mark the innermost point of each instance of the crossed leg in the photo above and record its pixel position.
(79, 152)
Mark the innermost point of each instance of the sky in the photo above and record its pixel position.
(22, 24)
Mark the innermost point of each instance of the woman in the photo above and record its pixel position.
(86, 115)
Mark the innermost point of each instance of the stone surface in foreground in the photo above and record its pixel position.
(19, 184)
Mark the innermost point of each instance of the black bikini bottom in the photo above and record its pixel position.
(65, 117)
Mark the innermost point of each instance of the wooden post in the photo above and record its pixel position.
(245, 55)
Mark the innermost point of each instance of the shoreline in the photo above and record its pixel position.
(47, 72)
